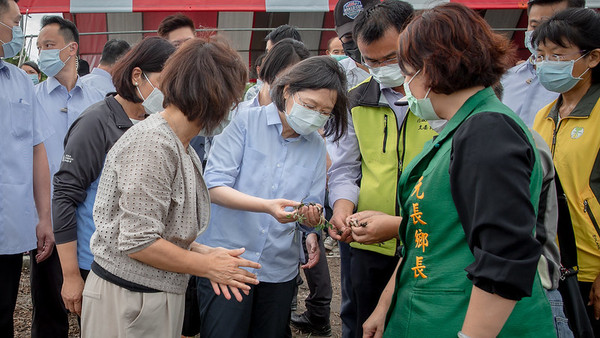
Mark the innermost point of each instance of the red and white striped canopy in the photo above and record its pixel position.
(243, 21)
(104, 6)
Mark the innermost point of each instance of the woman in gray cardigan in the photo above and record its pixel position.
(152, 203)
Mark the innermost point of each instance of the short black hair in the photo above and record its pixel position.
(67, 28)
(257, 63)
(4, 5)
(149, 55)
(113, 50)
(372, 23)
(570, 3)
(173, 22)
(575, 26)
(317, 72)
(31, 64)
(83, 67)
(283, 54)
(283, 32)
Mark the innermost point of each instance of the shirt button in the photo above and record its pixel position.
(278, 165)
(274, 187)
(257, 254)
(263, 231)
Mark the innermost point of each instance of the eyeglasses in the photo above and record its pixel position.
(312, 107)
(377, 64)
(557, 57)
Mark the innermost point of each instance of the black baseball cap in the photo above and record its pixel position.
(346, 11)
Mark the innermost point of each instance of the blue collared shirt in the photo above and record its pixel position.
(61, 108)
(99, 79)
(523, 92)
(22, 127)
(252, 157)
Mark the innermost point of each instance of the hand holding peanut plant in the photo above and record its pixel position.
(310, 214)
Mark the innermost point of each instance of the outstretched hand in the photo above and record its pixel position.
(225, 273)
(369, 226)
(276, 208)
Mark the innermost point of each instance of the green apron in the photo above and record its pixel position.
(432, 289)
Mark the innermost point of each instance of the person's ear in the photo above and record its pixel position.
(73, 48)
(136, 76)
(593, 58)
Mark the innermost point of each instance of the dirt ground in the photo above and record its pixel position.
(23, 309)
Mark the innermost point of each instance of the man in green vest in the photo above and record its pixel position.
(382, 138)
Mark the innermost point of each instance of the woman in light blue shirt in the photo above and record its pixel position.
(267, 161)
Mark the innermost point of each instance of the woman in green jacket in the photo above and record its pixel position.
(469, 199)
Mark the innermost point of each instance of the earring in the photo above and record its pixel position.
(135, 84)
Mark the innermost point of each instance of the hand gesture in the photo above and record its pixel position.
(276, 208)
(224, 271)
(369, 227)
(340, 231)
(312, 247)
(309, 214)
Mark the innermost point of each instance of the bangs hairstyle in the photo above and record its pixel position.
(455, 48)
(205, 79)
(317, 72)
(149, 55)
(283, 54)
(575, 26)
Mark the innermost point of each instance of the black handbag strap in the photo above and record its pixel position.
(566, 237)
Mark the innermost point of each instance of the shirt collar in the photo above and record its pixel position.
(101, 72)
(121, 118)
(52, 84)
(583, 108)
(4, 69)
(272, 114)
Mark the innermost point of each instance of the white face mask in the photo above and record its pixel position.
(388, 76)
(154, 102)
(305, 121)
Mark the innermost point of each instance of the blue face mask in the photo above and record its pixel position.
(529, 43)
(557, 76)
(50, 62)
(422, 108)
(34, 78)
(14, 46)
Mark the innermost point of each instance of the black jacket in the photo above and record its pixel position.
(86, 144)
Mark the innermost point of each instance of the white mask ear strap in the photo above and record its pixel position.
(417, 73)
(427, 94)
(147, 79)
(140, 92)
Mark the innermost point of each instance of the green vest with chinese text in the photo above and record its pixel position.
(432, 289)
